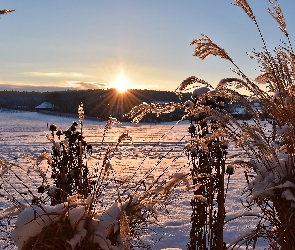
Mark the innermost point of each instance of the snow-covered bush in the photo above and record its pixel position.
(69, 210)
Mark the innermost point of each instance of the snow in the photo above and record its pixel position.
(76, 219)
(189, 104)
(45, 105)
(200, 91)
(31, 221)
(22, 137)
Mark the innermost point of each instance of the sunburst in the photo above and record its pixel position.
(121, 83)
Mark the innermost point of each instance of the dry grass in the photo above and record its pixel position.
(268, 155)
(53, 237)
(121, 222)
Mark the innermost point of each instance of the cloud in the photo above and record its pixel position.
(54, 74)
(83, 85)
(25, 87)
(76, 85)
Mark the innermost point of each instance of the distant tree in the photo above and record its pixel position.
(54, 98)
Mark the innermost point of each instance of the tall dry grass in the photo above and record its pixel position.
(268, 155)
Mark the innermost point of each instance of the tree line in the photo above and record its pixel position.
(99, 103)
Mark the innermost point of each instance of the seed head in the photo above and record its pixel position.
(246, 7)
(205, 47)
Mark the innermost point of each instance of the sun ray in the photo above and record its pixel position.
(110, 102)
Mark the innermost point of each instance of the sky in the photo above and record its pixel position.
(90, 44)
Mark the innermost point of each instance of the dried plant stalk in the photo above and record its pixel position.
(205, 47)
(246, 7)
(278, 15)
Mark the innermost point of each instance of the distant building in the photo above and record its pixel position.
(238, 111)
(45, 106)
(256, 105)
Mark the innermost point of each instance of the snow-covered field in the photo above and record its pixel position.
(154, 146)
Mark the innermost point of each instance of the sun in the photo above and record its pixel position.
(120, 83)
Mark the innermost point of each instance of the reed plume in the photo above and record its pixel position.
(205, 47)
